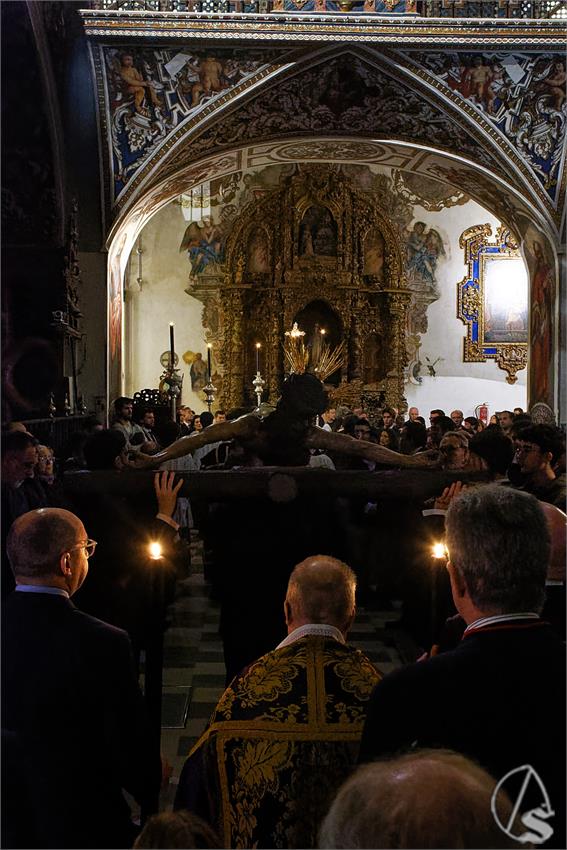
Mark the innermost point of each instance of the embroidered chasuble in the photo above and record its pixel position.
(283, 737)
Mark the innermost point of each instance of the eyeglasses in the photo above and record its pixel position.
(89, 546)
(524, 450)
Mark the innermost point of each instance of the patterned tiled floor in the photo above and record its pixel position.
(194, 670)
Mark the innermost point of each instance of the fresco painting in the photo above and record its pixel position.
(523, 95)
(541, 327)
(150, 92)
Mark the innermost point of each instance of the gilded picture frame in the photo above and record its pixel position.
(493, 305)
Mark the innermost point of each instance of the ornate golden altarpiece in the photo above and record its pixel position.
(315, 247)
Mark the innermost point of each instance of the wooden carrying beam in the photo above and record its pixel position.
(281, 484)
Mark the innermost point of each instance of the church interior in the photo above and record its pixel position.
(193, 190)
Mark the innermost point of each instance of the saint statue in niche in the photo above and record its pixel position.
(318, 233)
(258, 256)
(374, 255)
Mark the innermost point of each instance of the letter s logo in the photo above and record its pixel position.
(534, 819)
(541, 831)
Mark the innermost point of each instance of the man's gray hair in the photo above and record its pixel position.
(323, 589)
(34, 547)
(427, 798)
(499, 542)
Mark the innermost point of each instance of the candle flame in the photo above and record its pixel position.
(155, 551)
(209, 345)
(258, 345)
(171, 324)
(439, 550)
(323, 331)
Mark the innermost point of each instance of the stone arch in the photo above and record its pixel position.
(247, 114)
(490, 190)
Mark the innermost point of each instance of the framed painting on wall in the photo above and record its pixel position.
(492, 300)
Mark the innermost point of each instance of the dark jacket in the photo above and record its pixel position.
(70, 696)
(499, 698)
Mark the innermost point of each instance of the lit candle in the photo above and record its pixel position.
(155, 551)
(258, 347)
(439, 550)
(171, 345)
(209, 346)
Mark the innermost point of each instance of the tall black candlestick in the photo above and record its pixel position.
(209, 360)
(171, 346)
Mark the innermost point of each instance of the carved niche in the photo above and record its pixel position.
(314, 246)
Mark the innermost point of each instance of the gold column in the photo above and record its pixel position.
(397, 305)
(232, 349)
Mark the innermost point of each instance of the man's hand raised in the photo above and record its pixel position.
(166, 491)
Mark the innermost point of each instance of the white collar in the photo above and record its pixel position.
(500, 618)
(318, 629)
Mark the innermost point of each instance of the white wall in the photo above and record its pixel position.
(449, 393)
(458, 384)
(162, 300)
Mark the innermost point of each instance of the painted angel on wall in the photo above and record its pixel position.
(423, 252)
(202, 241)
(136, 86)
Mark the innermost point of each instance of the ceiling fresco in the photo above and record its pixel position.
(148, 93)
(522, 95)
(163, 110)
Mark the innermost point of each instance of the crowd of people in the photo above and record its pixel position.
(277, 764)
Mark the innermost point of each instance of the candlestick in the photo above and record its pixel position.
(209, 346)
(258, 383)
(171, 346)
(258, 347)
(209, 391)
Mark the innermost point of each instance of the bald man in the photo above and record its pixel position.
(424, 798)
(285, 733)
(70, 697)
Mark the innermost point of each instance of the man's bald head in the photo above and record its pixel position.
(37, 540)
(428, 798)
(321, 589)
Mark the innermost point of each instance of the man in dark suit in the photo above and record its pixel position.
(70, 697)
(499, 697)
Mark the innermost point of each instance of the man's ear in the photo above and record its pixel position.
(287, 612)
(348, 624)
(65, 564)
(458, 585)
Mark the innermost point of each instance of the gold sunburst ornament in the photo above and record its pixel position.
(298, 358)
